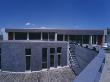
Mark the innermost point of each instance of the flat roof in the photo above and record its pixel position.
(59, 31)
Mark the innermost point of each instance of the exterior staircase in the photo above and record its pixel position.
(73, 61)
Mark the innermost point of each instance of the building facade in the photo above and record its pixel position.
(82, 36)
(37, 49)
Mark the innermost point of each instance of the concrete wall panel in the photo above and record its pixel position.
(14, 59)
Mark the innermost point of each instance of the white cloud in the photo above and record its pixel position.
(28, 23)
(43, 27)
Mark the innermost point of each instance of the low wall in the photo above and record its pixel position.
(105, 75)
(63, 74)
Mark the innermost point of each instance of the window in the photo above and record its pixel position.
(52, 52)
(59, 53)
(66, 37)
(60, 37)
(71, 37)
(94, 39)
(20, 36)
(99, 39)
(28, 51)
(51, 60)
(10, 36)
(44, 57)
(59, 59)
(59, 50)
(45, 36)
(28, 58)
(35, 36)
(86, 39)
(51, 36)
(78, 38)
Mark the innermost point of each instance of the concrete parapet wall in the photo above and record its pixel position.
(105, 75)
(63, 74)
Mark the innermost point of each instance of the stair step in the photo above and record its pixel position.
(72, 58)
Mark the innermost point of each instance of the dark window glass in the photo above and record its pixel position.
(60, 37)
(44, 54)
(20, 36)
(94, 39)
(10, 36)
(86, 39)
(51, 36)
(28, 58)
(59, 60)
(66, 37)
(27, 51)
(44, 57)
(59, 50)
(78, 38)
(108, 31)
(52, 50)
(99, 39)
(71, 37)
(51, 60)
(45, 36)
(35, 36)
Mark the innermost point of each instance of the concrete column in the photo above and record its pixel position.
(6, 36)
(48, 58)
(103, 40)
(104, 36)
(41, 35)
(13, 35)
(90, 40)
(55, 36)
(27, 35)
(55, 58)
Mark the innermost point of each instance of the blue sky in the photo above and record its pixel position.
(55, 13)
